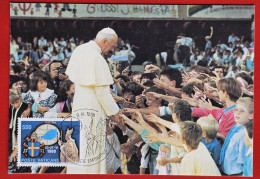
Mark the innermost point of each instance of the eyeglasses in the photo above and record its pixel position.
(241, 110)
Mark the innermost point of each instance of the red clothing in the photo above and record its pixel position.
(227, 120)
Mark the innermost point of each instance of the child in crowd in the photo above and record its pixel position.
(61, 108)
(229, 90)
(248, 164)
(16, 109)
(39, 98)
(180, 112)
(142, 128)
(197, 161)
(210, 127)
(232, 155)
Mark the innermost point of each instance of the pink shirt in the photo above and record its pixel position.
(227, 119)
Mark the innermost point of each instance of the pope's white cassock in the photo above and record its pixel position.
(92, 103)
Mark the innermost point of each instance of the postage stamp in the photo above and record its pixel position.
(48, 141)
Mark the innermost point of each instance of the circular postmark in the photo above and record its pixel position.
(93, 145)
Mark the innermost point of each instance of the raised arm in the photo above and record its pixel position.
(164, 97)
(138, 128)
(156, 119)
(154, 110)
(169, 140)
(141, 120)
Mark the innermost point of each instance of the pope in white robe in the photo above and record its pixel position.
(92, 100)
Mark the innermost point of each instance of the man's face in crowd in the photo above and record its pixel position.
(109, 45)
(166, 80)
(53, 69)
(219, 72)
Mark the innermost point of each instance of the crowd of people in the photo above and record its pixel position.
(190, 113)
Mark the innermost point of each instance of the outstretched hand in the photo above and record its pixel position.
(159, 84)
(116, 118)
(139, 101)
(205, 104)
(128, 111)
(191, 101)
(152, 117)
(152, 138)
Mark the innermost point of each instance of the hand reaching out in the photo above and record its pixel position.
(139, 116)
(152, 138)
(117, 80)
(139, 101)
(214, 78)
(199, 93)
(153, 69)
(128, 111)
(203, 75)
(191, 101)
(118, 98)
(205, 104)
(128, 104)
(153, 118)
(159, 84)
(123, 118)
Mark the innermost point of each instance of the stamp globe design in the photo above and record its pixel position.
(48, 134)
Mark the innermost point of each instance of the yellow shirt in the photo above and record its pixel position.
(199, 162)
